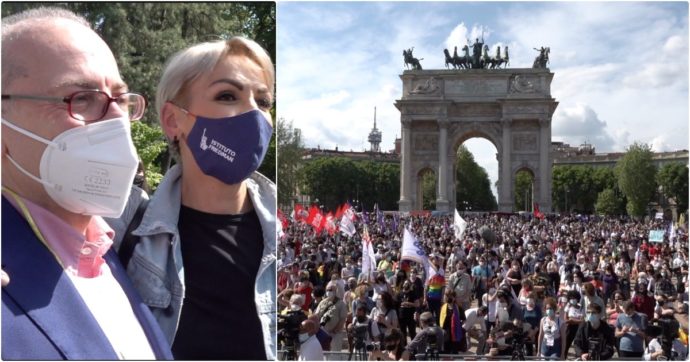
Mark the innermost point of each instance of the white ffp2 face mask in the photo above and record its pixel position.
(87, 170)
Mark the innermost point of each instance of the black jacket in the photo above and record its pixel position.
(604, 334)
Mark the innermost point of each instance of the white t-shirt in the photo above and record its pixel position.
(654, 346)
(311, 350)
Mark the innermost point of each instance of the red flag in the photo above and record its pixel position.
(283, 220)
(315, 219)
(538, 214)
(330, 225)
(339, 212)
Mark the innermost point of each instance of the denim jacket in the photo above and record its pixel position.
(156, 267)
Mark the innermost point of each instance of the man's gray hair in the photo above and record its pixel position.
(190, 63)
(15, 25)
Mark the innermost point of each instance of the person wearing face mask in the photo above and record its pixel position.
(481, 274)
(350, 296)
(451, 320)
(384, 314)
(630, 327)
(591, 297)
(531, 314)
(67, 162)
(461, 283)
(339, 284)
(362, 323)
(212, 219)
(490, 300)
(551, 339)
(332, 314)
(305, 288)
(594, 329)
(381, 285)
(309, 347)
(409, 302)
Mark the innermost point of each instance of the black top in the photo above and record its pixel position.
(221, 255)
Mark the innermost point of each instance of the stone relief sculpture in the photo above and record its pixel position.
(428, 87)
(519, 84)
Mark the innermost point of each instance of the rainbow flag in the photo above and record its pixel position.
(435, 285)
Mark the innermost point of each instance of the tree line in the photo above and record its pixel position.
(628, 188)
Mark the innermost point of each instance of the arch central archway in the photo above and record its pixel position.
(512, 108)
(469, 193)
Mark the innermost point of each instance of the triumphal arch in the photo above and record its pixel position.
(440, 109)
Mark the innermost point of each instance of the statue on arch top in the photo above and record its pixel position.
(542, 59)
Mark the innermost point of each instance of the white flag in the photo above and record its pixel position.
(347, 224)
(412, 249)
(368, 258)
(459, 224)
(347, 227)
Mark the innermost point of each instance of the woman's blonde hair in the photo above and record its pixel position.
(190, 63)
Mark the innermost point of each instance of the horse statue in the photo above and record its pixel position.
(506, 59)
(411, 60)
(487, 61)
(449, 60)
(498, 60)
(465, 61)
(461, 61)
(542, 59)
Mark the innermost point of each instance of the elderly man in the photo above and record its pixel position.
(461, 284)
(68, 160)
(332, 313)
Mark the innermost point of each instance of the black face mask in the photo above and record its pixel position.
(361, 318)
(390, 347)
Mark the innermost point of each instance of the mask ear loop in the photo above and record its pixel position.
(39, 139)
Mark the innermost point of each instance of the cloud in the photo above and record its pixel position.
(580, 124)
(621, 68)
(659, 144)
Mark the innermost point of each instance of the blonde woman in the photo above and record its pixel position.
(205, 260)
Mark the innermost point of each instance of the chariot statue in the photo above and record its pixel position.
(410, 60)
(542, 59)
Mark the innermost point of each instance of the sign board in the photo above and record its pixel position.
(656, 236)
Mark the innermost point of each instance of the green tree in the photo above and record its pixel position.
(335, 180)
(289, 159)
(523, 190)
(473, 187)
(150, 143)
(636, 178)
(428, 184)
(608, 203)
(577, 187)
(673, 178)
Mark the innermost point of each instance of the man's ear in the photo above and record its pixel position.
(169, 120)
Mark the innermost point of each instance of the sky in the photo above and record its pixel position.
(621, 68)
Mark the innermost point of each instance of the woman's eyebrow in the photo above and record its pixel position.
(233, 82)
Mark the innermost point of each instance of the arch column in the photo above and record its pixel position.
(545, 165)
(442, 203)
(505, 203)
(405, 202)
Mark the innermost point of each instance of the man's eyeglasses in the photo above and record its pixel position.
(92, 105)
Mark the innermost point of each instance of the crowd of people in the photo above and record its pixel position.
(560, 287)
